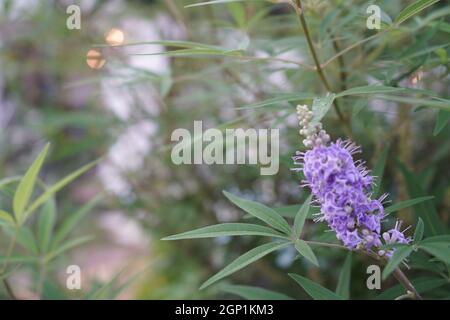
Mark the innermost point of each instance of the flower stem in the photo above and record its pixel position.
(398, 274)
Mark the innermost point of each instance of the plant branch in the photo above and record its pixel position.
(299, 10)
(398, 274)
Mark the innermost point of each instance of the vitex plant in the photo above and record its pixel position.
(344, 191)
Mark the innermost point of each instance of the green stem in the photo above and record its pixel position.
(323, 78)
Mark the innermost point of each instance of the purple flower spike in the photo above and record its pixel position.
(342, 186)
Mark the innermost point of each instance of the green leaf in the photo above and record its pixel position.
(24, 237)
(305, 250)
(437, 239)
(413, 9)
(67, 246)
(26, 186)
(443, 104)
(261, 212)
(244, 260)
(373, 89)
(254, 293)
(418, 233)
(442, 119)
(56, 187)
(70, 222)
(6, 217)
(321, 106)
(7, 181)
(426, 210)
(316, 291)
(215, 2)
(45, 224)
(378, 171)
(440, 250)
(400, 254)
(343, 286)
(227, 229)
(300, 217)
(406, 204)
(422, 285)
(288, 97)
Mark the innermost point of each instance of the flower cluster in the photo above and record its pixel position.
(341, 186)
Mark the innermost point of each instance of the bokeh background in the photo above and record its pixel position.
(91, 94)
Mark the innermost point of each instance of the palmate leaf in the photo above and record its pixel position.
(406, 204)
(413, 9)
(305, 251)
(316, 291)
(300, 217)
(400, 254)
(261, 212)
(244, 260)
(343, 286)
(26, 186)
(254, 293)
(227, 229)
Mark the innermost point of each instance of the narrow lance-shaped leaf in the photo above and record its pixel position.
(413, 9)
(406, 204)
(26, 186)
(320, 107)
(316, 291)
(227, 229)
(373, 89)
(343, 286)
(254, 293)
(426, 210)
(418, 233)
(6, 217)
(378, 171)
(67, 246)
(305, 251)
(244, 260)
(55, 188)
(45, 224)
(72, 220)
(300, 217)
(440, 250)
(400, 254)
(442, 118)
(261, 212)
